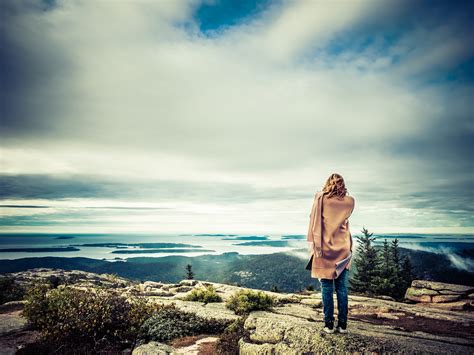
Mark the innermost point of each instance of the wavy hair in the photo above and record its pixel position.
(335, 186)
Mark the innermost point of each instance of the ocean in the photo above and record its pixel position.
(113, 247)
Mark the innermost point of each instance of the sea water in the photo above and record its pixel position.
(123, 246)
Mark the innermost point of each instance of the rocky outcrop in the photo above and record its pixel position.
(199, 346)
(441, 295)
(75, 277)
(294, 325)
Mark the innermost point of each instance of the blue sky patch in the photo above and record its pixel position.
(220, 14)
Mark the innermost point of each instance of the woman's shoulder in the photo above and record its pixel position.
(346, 200)
(351, 199)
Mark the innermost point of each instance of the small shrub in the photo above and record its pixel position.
(73, 316)
(228, 343)
(171, 323)
(246, 301)
(203, 294)
(10, 290)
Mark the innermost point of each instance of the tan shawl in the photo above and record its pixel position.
(329, 231)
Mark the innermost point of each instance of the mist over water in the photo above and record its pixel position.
(459, 248)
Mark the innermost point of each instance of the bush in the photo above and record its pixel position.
(10, 290)
(171, 323)
(203, 294)
(71, 316)
(246, 301)
(228, 343)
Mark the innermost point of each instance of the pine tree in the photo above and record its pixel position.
(367, 264)
(399, 290)
(395, 252)
(397, 277)
(385, 276)
(189, 272)
(406, 273)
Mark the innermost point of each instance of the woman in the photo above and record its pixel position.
(330, 241)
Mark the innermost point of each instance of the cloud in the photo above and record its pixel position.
(145, 106)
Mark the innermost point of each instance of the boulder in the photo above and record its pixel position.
(154, 347)
(414, 294)
(188, 282)
(437, 292)
(438, 286)
(445, 298)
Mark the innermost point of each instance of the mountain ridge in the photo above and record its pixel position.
(293, 325)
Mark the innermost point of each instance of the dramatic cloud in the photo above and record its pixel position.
(232, 116)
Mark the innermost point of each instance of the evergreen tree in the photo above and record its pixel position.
(406, 273)
(367, 264)
(385, 278)
(397, 276)
(395, 252)
(189, 272)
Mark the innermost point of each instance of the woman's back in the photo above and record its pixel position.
(336, 210)
(336, 236)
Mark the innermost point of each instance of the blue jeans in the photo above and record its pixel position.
(327, 291)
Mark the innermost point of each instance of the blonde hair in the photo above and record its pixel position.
(335, 186)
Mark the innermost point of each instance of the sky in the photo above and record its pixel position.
(228, 116)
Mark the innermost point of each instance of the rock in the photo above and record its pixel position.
(461, 305)
(437, 286)
(471, 296)
(188, 282)
(250, 348)
(387, 316)
(384, 297)
(437, 292)
(384, 309)
(153, 347)
(413, 291)
(157, 293)
(282, 334)
(183, 289)
(299, 310)
(445, 298)
(412, 295)
(294, 325)
(195, 349)
(12, 322)
(12, 306)
(213, 310)
(59, 276)
(282, 299)
(152, 284)
(316, 303)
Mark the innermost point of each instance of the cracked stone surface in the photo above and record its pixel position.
(294, 325)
